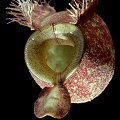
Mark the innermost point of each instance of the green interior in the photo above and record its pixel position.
(49, 51)
(59, 57)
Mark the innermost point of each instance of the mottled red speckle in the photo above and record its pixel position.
(97, 66)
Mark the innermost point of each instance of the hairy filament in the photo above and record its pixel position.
(78, 8)
(32, 13)
(22, 11)
(26, 12)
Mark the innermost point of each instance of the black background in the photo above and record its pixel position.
(19, 90)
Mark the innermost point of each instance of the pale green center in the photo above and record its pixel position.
(59, 57)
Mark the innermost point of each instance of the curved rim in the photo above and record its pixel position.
(63, 31)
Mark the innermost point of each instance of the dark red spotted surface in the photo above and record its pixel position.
(97, 66)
